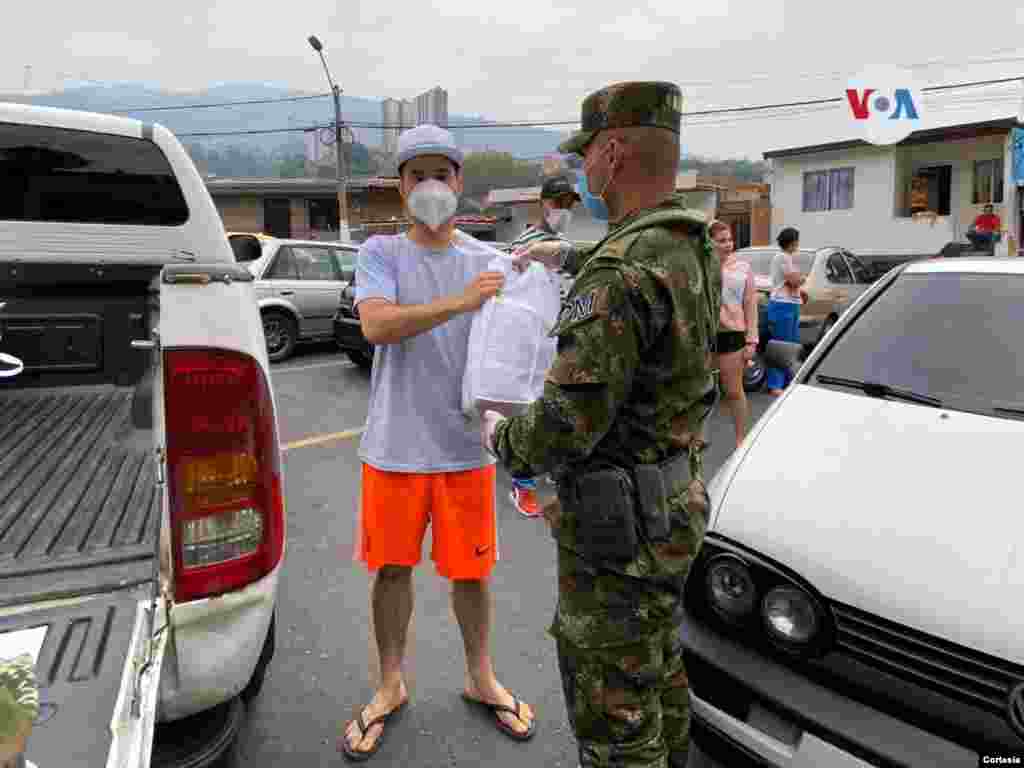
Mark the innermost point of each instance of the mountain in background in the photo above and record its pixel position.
(281, 154)
(109, 97)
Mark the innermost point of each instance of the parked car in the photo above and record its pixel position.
(297, 284)
(853, 601)
(142, 522)
(348, 331)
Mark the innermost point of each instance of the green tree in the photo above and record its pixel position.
(484, 171)
(359, 157)
(291, 167)
(743, 168)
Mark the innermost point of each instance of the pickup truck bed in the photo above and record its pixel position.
(78, 497)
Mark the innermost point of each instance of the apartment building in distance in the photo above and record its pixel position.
(399, 114)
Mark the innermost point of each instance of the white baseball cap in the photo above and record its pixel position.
(427, 139)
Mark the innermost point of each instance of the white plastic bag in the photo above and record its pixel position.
(509, 348)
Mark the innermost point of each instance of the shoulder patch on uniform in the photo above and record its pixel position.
(579, 308)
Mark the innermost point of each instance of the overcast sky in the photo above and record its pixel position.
(534, 59)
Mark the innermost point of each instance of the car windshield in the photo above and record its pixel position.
(955, 337)
(761, 260)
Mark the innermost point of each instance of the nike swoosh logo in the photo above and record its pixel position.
(481, 551)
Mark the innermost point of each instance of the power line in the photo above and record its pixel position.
(706, 83)
(690, 84)
(280, 100)
(752, 80)
(793, 105)
(840, 99)
(256, 132)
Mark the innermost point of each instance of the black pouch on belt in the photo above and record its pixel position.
(652, 498)
(604, 508)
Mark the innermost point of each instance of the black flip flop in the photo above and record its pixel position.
(508, 730)
(359, 755)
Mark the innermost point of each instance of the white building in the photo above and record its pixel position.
(432, 107)
(398, 115)
(901, 201)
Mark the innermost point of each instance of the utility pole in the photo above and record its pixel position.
(339, 151)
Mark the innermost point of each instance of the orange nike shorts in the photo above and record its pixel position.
(396, 507)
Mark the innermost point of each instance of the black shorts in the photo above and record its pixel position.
(730, 341)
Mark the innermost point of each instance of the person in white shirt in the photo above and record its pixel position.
(422, 461)
(784, 306)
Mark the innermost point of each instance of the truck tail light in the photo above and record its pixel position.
(223, 472)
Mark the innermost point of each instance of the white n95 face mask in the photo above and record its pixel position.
(559, 219)
(433, 203)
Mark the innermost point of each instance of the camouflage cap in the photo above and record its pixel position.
(625, 105)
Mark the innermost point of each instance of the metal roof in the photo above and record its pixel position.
(946, 133)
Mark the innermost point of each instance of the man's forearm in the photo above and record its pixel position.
(392, 323)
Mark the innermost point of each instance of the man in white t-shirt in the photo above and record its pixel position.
(423, 463)
(787, 295)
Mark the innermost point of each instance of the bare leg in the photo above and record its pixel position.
(391, 601)
(735, 400)
(471, 601)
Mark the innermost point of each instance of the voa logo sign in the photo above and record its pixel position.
(885, 106)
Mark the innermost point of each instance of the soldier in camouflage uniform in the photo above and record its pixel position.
(19, 707)
(630, 388)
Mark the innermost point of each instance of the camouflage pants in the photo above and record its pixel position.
(629, 706)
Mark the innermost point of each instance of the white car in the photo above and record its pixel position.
(855, 601)
(298, 286)
(142, 520)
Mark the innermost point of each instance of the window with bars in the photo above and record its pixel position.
(830, 190)
(988, 181)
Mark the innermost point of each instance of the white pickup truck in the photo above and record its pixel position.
(142, 521)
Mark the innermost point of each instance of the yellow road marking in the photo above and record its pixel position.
(331, 437)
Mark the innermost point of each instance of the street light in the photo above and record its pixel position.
(341, 174)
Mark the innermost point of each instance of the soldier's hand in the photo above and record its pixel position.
(489, 421)
(484, 286)
(552, 512)
(547, 253)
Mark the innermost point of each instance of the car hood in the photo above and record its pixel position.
(901, 510)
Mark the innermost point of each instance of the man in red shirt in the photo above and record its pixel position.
(985, 229)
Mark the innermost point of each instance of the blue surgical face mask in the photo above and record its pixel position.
(593, 203)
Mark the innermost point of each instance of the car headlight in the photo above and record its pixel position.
(730, 588)
(790, 615)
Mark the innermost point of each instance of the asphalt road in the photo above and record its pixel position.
(322, 674)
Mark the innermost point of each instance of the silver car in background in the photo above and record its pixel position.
(298, 286)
